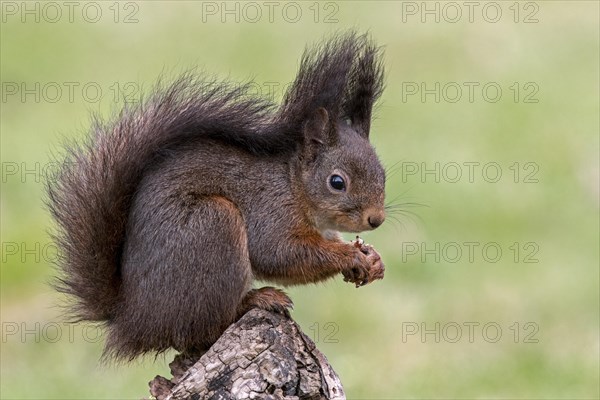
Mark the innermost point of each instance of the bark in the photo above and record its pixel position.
(264, 355)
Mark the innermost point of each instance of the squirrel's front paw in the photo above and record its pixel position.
(368, 268)
(357, 274)
(377, 267)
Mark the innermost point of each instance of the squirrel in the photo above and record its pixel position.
(167, 213)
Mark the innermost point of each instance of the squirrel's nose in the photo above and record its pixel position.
(376, 219)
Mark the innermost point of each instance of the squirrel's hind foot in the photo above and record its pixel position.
(266, 298)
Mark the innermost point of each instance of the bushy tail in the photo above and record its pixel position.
(92, 193)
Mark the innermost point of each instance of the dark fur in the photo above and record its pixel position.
(343, 75)
(166, 213)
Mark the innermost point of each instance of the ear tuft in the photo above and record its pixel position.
(365, 85)
(344, 75)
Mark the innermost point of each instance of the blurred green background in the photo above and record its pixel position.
(453, 318)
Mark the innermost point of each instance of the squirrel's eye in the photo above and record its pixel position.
(337, 182)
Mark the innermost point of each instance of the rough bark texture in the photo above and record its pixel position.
(264, 356)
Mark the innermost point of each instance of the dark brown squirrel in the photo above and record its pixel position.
(169, 212)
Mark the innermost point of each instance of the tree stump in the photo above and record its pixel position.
(263, 355)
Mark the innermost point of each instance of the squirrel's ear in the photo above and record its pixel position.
(318, 129)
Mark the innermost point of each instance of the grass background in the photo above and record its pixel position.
(360, 331)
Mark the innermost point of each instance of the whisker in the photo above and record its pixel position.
(392, 169)
(394, 219)
(405, 204)
(414, 217)
(401, 195)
